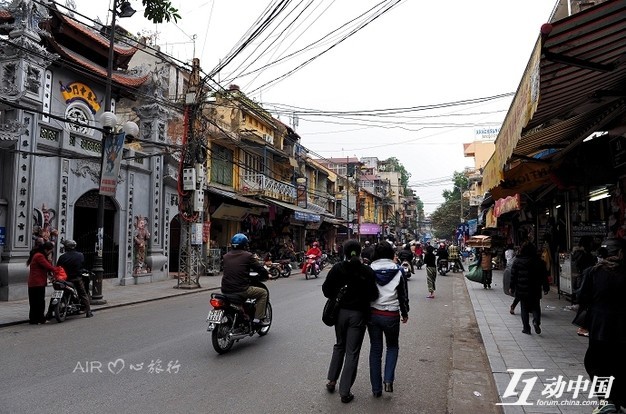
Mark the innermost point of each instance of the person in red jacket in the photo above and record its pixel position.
(37, 281)
(314, 250)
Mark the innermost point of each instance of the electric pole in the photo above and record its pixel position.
(191, 180)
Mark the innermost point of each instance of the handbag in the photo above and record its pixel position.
(475, 273)
(331, 308)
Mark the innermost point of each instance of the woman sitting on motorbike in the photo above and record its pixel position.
(313, 251)
(406, 255)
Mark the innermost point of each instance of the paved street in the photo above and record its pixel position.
(443, 366)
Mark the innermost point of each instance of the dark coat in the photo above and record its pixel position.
(361, 283)
(603, 291)
(528, 277)
(237, 267)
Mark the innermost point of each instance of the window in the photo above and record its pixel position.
(254, 164)
(221, 165)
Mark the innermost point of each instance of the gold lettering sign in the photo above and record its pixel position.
(79, 91)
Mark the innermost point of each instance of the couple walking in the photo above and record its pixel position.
(376, 299)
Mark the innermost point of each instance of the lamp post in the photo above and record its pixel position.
(109, 122)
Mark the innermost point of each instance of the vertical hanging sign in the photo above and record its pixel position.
(111, 161)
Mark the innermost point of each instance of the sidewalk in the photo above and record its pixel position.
(15, 312)
(559, 351)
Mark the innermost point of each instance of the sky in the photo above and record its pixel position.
(455, 64)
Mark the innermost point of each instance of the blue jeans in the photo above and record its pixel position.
(390, 327)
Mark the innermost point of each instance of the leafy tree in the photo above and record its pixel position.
(448, 215)
(158, 11)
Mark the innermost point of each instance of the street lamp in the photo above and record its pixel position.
(109, 121)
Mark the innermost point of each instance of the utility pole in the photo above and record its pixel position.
(191, 187)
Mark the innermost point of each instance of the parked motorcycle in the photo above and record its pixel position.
(65, 301)
(311, 267)
(406, 266)
(231, 318)
(443, 266)
(418, 262)
(323, 261)
(282, 268)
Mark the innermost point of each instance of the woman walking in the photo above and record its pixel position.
(391, 306)
(430, 260)
(37, 281)
(353, 316)
(528, 277)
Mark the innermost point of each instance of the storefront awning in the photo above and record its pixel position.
(334, 221)
(573, 84)
(235, 196)
(230, 212)
(300, 213)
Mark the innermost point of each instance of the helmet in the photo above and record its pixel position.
(367, 242)
(239, 241)
(69, 244)
(316, 244)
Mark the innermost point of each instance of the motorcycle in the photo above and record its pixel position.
(282, 268)
(406, 266)
(65, 301)
(455, 267)
(323, 260)
(311, 267)
(232, 316)
(443, 266)
(418, 262)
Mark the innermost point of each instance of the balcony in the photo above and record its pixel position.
(259, 184)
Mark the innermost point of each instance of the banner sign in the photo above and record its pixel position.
(298, 215)
(472, 226)
(111, 161)
(504, 205)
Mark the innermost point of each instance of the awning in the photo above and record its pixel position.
(572, 85)
(230, 212)
(300, 213)
(334, 221)
(235, 196)
(525, 177)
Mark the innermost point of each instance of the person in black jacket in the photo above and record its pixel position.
(73, 261)
(406, 255)
(353, 315)
(528, 277)
(603, 290)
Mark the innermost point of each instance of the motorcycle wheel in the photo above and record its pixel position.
(268, 316)
(273, 273)
(286, 272)
(220, 337)
(60, 311)
(316, 272)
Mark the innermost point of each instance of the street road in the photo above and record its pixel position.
(157, 357)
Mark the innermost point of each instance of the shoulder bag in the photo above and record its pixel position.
(331, 308)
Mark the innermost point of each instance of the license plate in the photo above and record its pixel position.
(57, 294)
(215, 316)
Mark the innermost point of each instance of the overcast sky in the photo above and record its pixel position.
(417, 54)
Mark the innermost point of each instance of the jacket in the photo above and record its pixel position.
(393, 289)
(430, 260)
(528, 277)
(602, 291)
(72, 262)
(361, 284)
(39, 268)
(237, 267)
(405, 255)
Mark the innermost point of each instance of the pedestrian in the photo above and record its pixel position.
(354, 310)
(73, 262)
(486, 265)
(528, 277)
(582, 258)
(603, 290)
(391, 306)
(509, 257)
(40, 265)
(430, 260)
(368, 253)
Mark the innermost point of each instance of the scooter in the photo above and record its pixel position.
(455, 267)
(418, 262)
(65, 301)
(443, 266)
(282, 268)
(232, 316)
(311, 267)
(406, 267)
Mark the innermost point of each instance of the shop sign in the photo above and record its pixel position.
(299, 215)
(301, 195)
(369, 228)
(74, 91)
(504, 205)
(3, 233)
(491, 220)
(196, 234)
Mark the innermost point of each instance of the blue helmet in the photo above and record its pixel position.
(239, 241)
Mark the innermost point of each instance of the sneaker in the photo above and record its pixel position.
(431, 296)
(537, 328)
(347, 398)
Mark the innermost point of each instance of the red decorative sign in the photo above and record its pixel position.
(504, 205)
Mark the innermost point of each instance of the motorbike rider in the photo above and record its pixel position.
(419, 252)
(367, 254)
(314, 251)
(405, 255)
(73, 262)
(238, 263)
(454, 257)
(442, 253)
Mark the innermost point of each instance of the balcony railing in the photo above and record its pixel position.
(263, 185)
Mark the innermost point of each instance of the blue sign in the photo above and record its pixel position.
(3, 232)
(298, 215)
